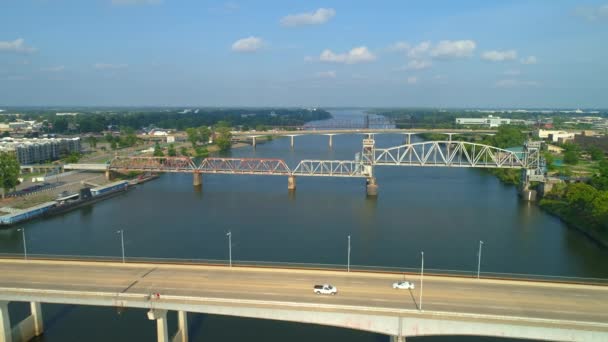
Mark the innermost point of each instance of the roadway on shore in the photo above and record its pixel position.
(552, 301)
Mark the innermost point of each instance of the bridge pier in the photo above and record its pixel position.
(253, 143)
(182, 327)
(291, 183)
(371, 186)
(160, 316)
(5, 323)
(197, 179)
(397, 339)
(109, 175)
(25, 330)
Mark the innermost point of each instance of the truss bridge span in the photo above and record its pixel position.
(447, 153)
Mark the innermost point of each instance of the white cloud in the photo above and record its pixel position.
(453, 49)
(17, 45)
(412, 80)
(54, 69)
(416, 64)
(326, 74)
(107, 66)
(529, 60)
(499, 56)
(593, 13)
(135, 2)
(320, 16)
(399, 46)
(512, 72)
(511, 83)
(356, 55)
(419, 50)
(249, 44)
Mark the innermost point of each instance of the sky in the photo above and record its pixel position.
(468, 53)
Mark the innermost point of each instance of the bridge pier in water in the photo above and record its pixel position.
(109, 175)
(397, 339)
(25, 330)
(197, 179)
(291, 183)
(371, 186)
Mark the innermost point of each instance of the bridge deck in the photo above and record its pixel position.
(558, 304)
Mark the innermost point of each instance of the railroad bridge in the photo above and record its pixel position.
(445, 153)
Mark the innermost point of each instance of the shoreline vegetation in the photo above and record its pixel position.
(581, 206)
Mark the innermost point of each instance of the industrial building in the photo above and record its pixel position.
(490, 121)
(31, 151)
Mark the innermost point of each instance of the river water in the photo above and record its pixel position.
(443, 212)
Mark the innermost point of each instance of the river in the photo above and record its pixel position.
(443, 212)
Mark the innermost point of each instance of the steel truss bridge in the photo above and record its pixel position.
(425, 154)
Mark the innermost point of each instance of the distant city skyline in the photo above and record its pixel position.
(466, 54)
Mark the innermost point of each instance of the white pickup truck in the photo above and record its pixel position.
(325, 289)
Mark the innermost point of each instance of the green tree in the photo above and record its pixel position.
(158, 151)
(172, 152)
(571, 157)
(550, 159)
(9, 171)
(506, 136)
(224, 138)
(184, 152)
(113, 145)
(73, 157)
(92, 141)
(596, 153)
(204, 133)
(193, 136)
(109, 137)
(201, 152)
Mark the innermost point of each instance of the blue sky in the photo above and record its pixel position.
(472, 53)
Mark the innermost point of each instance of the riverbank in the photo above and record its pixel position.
(563, 211)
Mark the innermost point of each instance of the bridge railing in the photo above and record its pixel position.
(408, 271)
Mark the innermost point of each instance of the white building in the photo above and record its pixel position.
(554, 135)
(30, 151)
(66, 114)
(490, 121)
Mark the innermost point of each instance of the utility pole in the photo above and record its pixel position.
(479, 259)
(230, 247)
(24, 242)
(421, 278)
(122, 243)
(348, 260)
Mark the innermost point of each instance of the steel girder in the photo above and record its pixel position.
(249, 166)
(329, 168)
(154, 164)
(455, 154)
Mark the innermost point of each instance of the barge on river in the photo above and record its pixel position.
(65, 203)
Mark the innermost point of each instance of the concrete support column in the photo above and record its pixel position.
(162, 332)
(108, 175)
(36, 310)
(197, 179)
(292, 137)
(182, 327)
(253, 141)
(6, 334)
(291, 182)
(372, 187)
(331, 140)
(397, 339)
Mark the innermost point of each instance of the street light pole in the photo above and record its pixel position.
(421, 278)
(230, 246)
(122, 243)
(479, 259)
(24, 243)
(348, 260)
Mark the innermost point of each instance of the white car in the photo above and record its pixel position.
(325, 289)
(404, 285)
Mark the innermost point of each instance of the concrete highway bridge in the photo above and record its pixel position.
(446, 153)
(366, 301)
